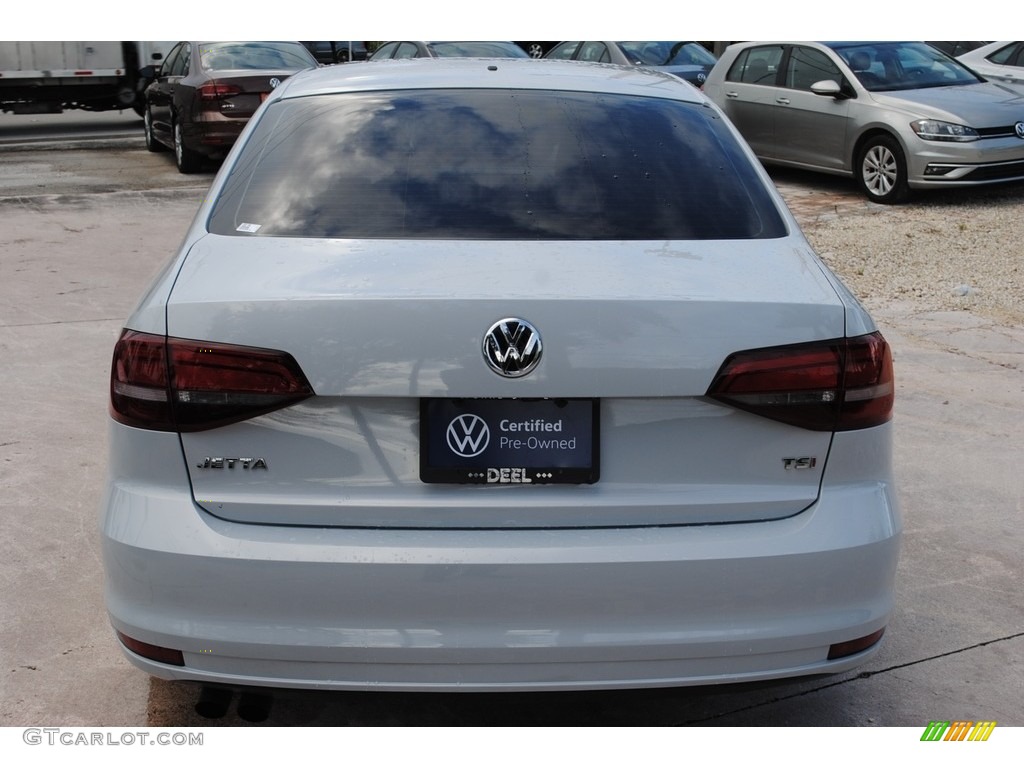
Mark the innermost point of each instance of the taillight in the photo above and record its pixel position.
(850, 647)
(834, 385)
(181, 385)
(155, 652)
(218, 91)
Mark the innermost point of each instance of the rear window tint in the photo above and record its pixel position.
(223, 56)
(493, 164)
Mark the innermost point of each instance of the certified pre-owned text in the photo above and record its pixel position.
(537, 443)
(530, 425)
(532, 442)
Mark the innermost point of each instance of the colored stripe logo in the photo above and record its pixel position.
(958, 730)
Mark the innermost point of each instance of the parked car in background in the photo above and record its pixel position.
(1001, 61)
(956, 48)
(205, 92)
(413, 49)
(688, 59)
(337, 52)
(536, 49)
(896, 116)
(497, 375)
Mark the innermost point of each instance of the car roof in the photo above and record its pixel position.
(531, 74)
(984, 50)
(823, 43)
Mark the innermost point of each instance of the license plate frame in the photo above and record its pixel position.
(510, 441)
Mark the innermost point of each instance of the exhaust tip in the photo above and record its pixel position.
(213, 703)
(254, 707)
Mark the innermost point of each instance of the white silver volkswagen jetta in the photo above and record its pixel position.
(497, 375)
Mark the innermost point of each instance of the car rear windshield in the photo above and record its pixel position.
(224, 56)
(493, 164)
(479, 49)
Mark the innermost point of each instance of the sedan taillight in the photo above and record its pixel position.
(212, 91)
(834, 385)
(181, 385)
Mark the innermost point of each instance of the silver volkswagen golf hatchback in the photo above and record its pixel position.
(894, 116)
(497, 375)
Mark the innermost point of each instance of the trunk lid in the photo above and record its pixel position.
(243, 92)
(376, 326)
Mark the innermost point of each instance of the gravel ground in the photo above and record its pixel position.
(947, 250)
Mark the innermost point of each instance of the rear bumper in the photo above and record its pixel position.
(213, 134)
(497, 610)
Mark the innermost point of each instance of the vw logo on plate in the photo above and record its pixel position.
(468, 435)
(512, 347)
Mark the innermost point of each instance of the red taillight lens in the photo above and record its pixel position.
(834, 385)
(139, 393)
(870, 387)
(849, 648)
(181, 385)
(155, 652)
(218, 91)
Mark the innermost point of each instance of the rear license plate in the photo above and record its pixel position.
(509, 442)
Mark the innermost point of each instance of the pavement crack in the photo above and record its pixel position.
(846, 680)
(62, 322)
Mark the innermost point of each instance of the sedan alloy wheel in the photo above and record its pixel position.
(151, 143)
(187, 160)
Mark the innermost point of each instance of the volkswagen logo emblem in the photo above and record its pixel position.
(1019, 130)
(512, 347)
(468, 435)
(274, 82)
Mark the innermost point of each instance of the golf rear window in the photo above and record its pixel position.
(493, 164)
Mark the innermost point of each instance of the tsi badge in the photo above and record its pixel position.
(803, 462)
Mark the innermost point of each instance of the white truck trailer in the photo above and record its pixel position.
(46, 77)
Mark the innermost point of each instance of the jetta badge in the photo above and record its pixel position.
(1019, 130)
(512, 347)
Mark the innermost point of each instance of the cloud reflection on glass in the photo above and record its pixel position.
(513, 165)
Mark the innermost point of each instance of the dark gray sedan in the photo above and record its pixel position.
(205, 92)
